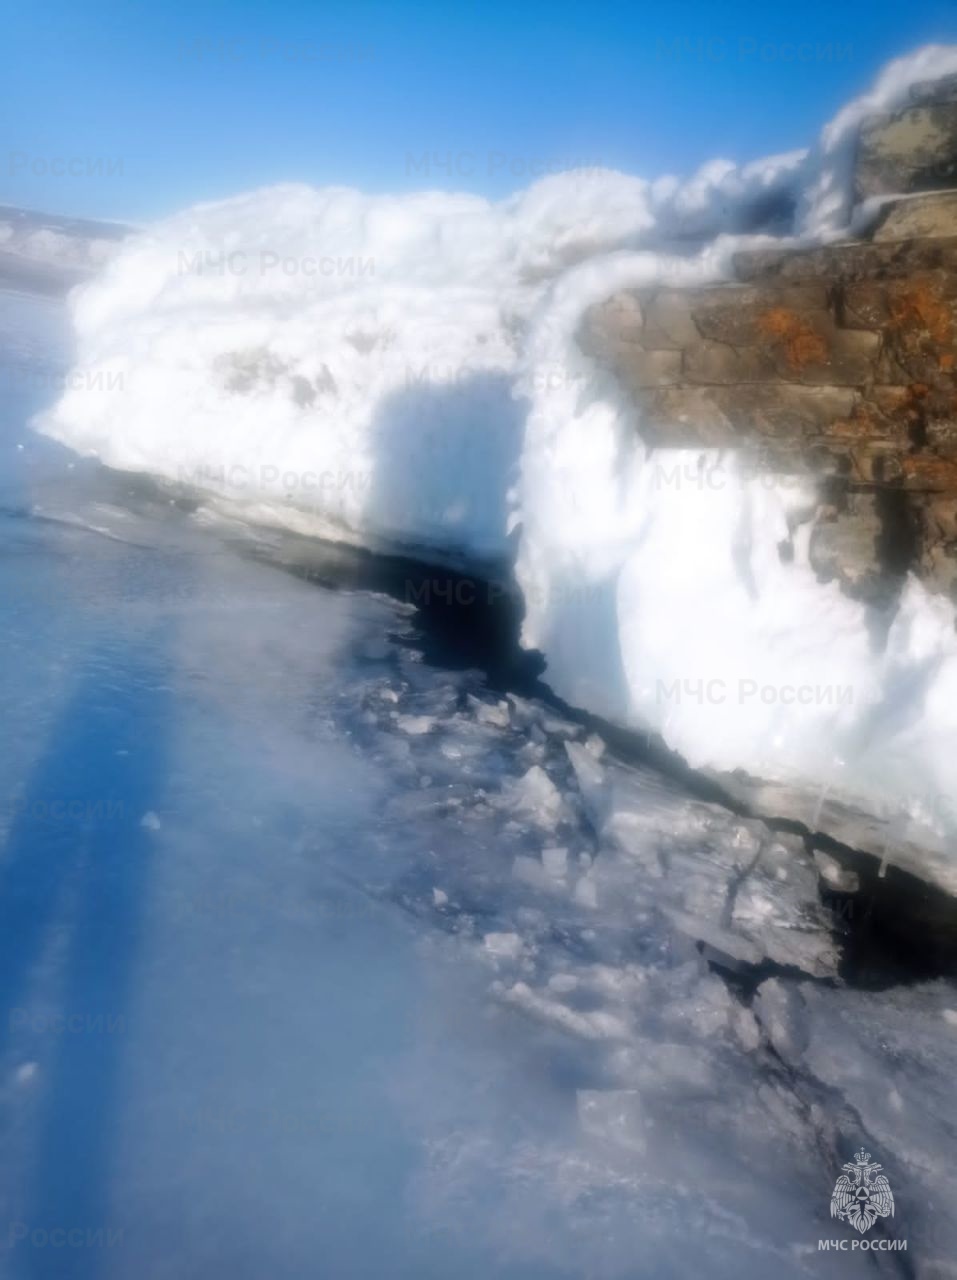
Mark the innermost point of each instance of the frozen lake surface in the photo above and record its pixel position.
(325, 954)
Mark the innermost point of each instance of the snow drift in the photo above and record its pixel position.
(402, 371)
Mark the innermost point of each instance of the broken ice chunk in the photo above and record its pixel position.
(778, 907)
(536, 795)
(834, 874)
(530, 871)
(779, 1008)
(596, 1024)
(555, 861)
(495, 713)
(503, 946)
(586, 892)
(415, 725)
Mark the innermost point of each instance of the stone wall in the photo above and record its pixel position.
(836, 363)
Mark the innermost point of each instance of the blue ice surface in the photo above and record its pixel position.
(212, 1054)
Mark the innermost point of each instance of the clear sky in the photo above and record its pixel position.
(131, 109)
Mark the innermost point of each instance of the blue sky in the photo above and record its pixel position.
(127, 109)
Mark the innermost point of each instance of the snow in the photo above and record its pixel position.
(402, 372)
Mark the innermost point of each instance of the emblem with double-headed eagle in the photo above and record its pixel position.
(859, 1197)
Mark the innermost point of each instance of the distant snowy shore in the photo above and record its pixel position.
(403, 372)
(47, 253)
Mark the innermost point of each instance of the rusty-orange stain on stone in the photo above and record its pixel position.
(800, 343)
(918, 311)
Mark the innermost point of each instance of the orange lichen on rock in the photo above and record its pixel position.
(919, 310)
(801, 344)
(929, 472)
(891, 414)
